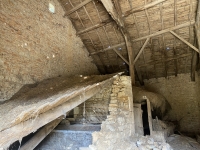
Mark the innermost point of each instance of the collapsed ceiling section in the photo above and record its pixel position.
(160, 34)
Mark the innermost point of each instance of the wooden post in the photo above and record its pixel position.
(149, 115)
(141, 50)
(186, 42)
(77, 7)
(14, 133)
(38, 137)
(117, 16)
(195, 54)
(148, 36)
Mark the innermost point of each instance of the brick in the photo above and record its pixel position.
(36, 45)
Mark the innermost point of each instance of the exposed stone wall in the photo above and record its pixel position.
(96, 108)
(184, 98)
(117, 131)
(120, 121)
(36, 44)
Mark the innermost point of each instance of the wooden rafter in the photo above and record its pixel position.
(38, 137)
(96, 26)
(97, 32)
(152, 46)
(124, 59)
(88, 35)
(14, 133)
(141, 50)
(174, 47)
(142, 7)
(186, 42)
(138, 34)
(166, 30)
(108, 38)
(197, 41)
(163, 41)
(77, 7)
(197, 25)
(108, 21)
(118, 19)
(166, 60)
(148, 36)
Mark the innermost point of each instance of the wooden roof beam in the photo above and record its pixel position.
(14, 133)
(77, 7)
(124, 59)
(141, 50)
(112, 11)
(148, 36)
(38, 137)
(116, 15)
(166, 60)
(195, 54)
(96, 26)
(141, 8)
(108, 21)
(186, 42)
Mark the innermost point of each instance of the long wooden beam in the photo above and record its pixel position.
(17, 132)
(109, 48)
(183, 40)
(77, 7)
(39, 136)
(165, 31)
(197, 25)
(166, 60)
(117, 16)
(137, 9)
(124, 59)
(195, 54)
(141, 50)
(108, 21)
(148, 36)
(131, 57)
(94, 27)
(112, 11)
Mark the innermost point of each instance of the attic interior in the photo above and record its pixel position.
(99, 74)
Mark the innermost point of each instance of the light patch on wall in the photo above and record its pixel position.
(51, 8)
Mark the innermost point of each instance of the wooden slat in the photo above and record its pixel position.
(148, 36)
(131, 57)
(38, 137)
(94, 27)
(109, 48)
(142, 7)
(141, 50)
(116, 15)
(197, 25)
(77, 7)
(174, 43)
(121, 56)
(197, 33)
(112, 11)
(165, 31)
(166, 60)
(102, 68)
(17, 132)
(163, 41)
(149, 115)
(183, 40)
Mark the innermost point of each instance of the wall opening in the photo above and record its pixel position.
(145, 120)
(51, 8)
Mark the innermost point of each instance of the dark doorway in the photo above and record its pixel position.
(145, 120)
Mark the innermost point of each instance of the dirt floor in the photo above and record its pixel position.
(37, 98)
(178, 142)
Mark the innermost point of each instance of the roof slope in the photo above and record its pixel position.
(144, 20)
